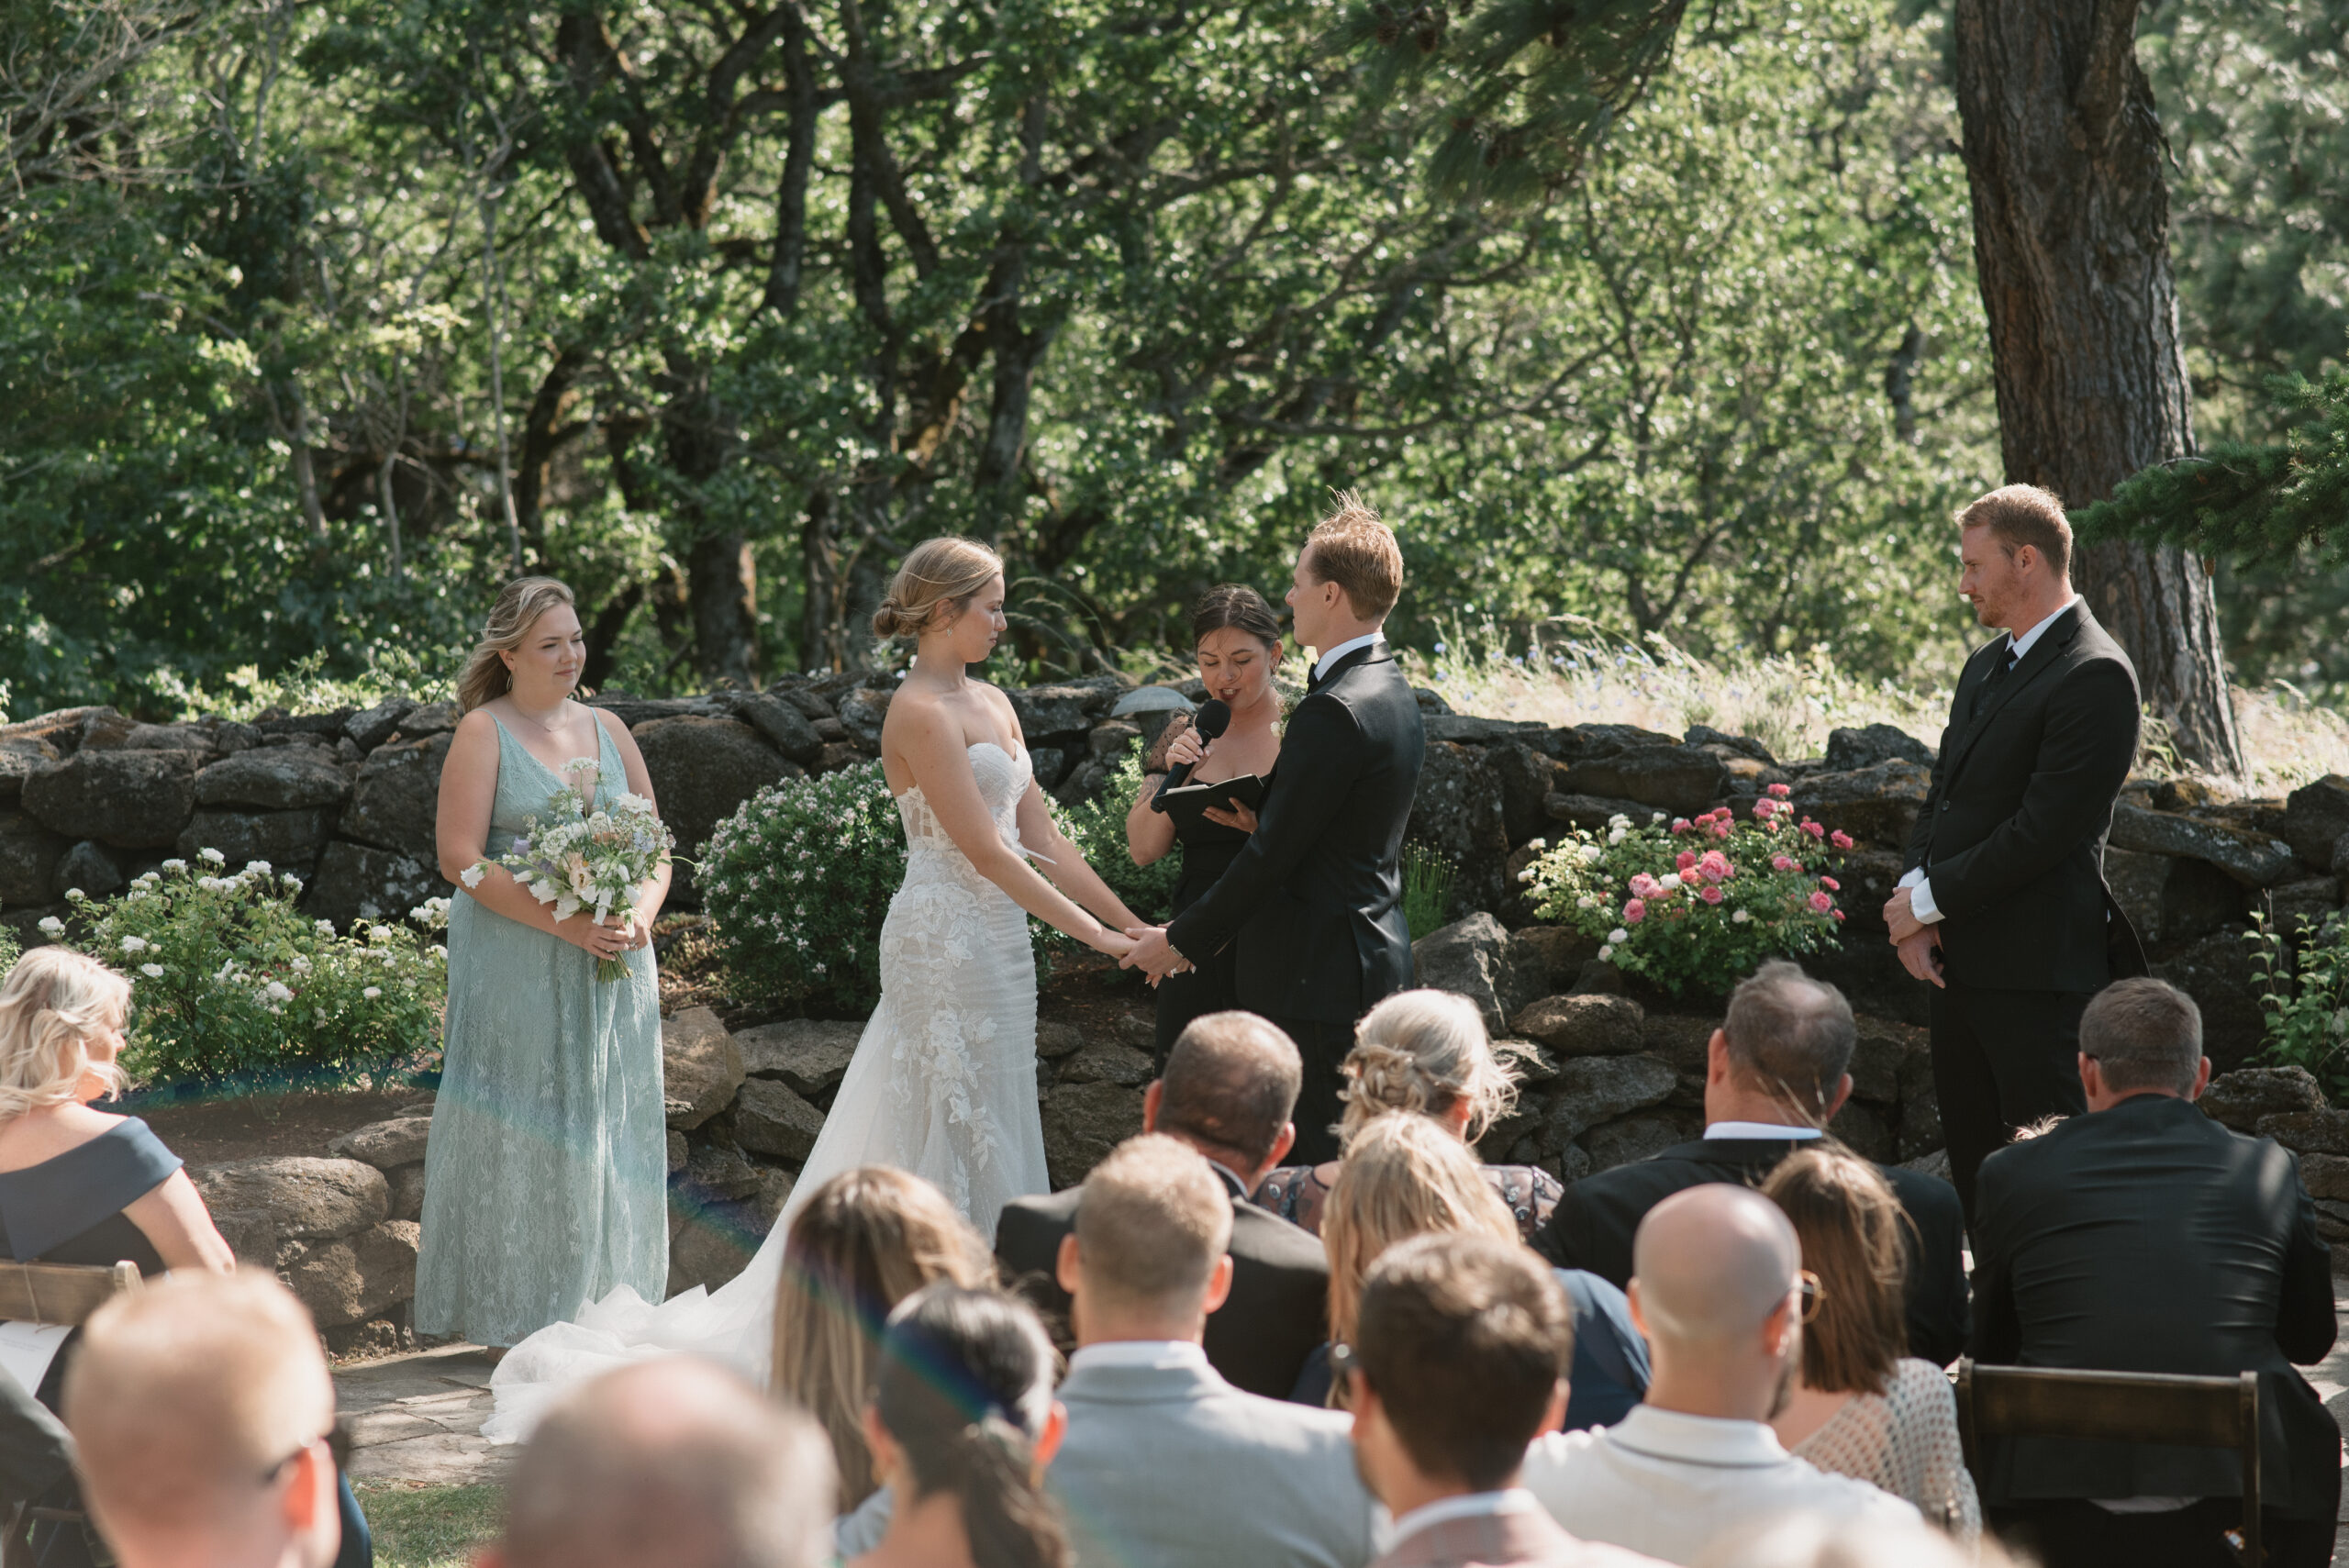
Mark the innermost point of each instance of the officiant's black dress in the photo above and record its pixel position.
(1208, 850)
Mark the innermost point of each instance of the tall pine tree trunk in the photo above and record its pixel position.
(2071, 239)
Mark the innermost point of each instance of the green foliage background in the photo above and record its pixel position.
(1126, 288)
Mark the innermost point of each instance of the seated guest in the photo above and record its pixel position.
(1405, 1176)
(1718, 1289)
(205, 1422)
(864, 1241)
(1459, 1358)
(1230, 1082)
(2144, 1237)
(1860, 1407)
(668, 1463)
(962, 1424)
(77, 1184)
(1165, 1464)
(35, 1454)
(1775, 1076)
(1426, 1052)
(1806, 1542)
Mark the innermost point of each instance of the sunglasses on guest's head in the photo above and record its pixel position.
(337, 1440)
(1807, 1286)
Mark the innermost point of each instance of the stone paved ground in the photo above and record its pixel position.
(417, 1418)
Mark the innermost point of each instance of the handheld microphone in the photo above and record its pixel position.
(1215, 717)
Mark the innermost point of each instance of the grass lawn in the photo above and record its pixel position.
(418, 1526)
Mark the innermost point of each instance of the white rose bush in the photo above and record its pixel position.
(1696, 901)
(229, 983)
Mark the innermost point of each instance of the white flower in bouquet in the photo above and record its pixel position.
(578, 861)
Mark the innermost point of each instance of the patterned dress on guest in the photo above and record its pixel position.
(1296, 1195)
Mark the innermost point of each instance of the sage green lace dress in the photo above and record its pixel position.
(545, 1181)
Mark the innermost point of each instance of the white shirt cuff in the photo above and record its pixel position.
(1921, 896)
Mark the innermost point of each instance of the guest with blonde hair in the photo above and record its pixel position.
(206, 1427)
(78, 1184)
(1402, 1177)
(864, 1241)
(1861, 1406)
(1423, 1051)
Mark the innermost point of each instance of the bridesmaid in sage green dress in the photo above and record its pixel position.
(545, 1181)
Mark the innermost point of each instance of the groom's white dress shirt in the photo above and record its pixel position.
(1671, 1484)
(1322, 665)
(1921, 899)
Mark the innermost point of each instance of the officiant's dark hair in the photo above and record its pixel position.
(1238, 606)
(965, 1389)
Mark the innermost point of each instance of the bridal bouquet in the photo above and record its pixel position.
(576, 859)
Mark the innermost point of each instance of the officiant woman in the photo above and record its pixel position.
(1237, 640)
(545, 1179)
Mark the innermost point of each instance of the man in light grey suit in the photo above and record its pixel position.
(1165, 1464)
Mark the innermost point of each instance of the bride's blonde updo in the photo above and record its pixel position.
(1424, 1052)
(950, 570)
(520, 605)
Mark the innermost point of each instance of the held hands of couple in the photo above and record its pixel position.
(1153, 954)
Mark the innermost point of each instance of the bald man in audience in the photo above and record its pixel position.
(670, 1463)
(202, 1412)
(1717, 1289)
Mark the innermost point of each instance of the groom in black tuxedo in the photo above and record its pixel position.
(1316, 898)
(2004, 906)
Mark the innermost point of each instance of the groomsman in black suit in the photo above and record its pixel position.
(2004, 908)
(1316, 898)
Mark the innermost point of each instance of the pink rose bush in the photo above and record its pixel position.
(1694, 901)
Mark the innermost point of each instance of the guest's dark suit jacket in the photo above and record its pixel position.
(2148, 1238)
(1278, 1311)
(1315, 899)
(2013, 825)
(1597, 1219)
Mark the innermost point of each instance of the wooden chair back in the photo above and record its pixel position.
(57, 1294)
(2115, 1406)
(60, 1294)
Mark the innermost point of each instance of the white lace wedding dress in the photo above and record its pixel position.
(942, 1084)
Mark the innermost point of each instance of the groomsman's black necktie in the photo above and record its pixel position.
(1994, 679)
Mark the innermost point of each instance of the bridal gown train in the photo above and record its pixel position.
(942, 1084)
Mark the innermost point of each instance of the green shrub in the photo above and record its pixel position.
(9, 951)
(796, 883)
(1097, 828)
(2304, 999)
(1428, 876)
(227, 981)
(798, 880)
(1696, 902)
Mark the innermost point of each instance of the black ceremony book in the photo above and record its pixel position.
(1185, 805)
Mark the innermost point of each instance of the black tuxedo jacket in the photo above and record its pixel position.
(1277, 1313)
(1315, 898)
(2148, 1238)
(2013, 827)
(1594, 1223)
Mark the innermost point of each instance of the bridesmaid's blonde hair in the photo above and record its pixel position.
(1402, 1177)
(517, 609)
(867, 1239)
(950, 570)
(1424, 1052)
(52, 1003)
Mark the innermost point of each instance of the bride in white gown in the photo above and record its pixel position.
(943, 1081)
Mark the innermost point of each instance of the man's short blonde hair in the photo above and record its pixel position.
(2019, 514)
(1152, 1222)
(1352, 549)
(182, 1395)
